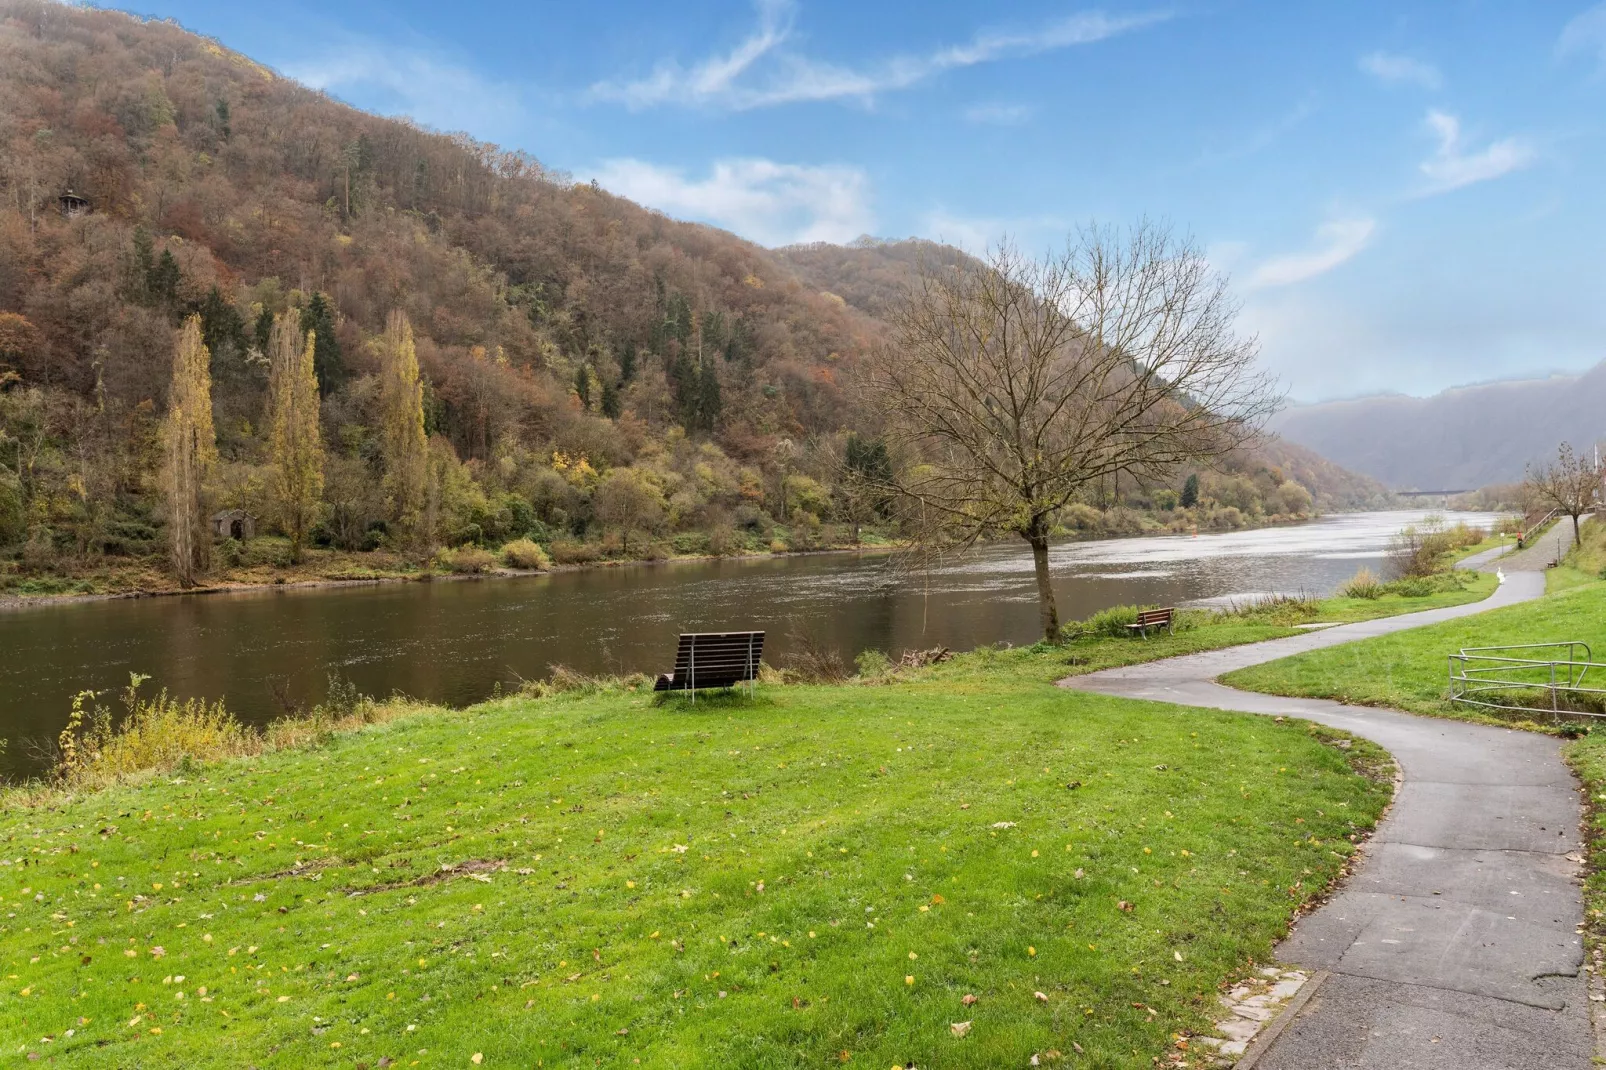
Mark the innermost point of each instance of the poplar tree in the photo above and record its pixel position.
(406, 454)
(297, 482)
(191, 454)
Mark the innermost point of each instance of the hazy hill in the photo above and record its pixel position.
(1460, 439)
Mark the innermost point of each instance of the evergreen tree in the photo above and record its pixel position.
(610, 401)
(709, 403)
(328, 362)
(582, 385)
(223, 129)
(1190, 491)
(297, 448)
(627, 363)
(405, 449)
(143, 266)
(222, 326)
(190, 444)
(165, 279)
(262, 330)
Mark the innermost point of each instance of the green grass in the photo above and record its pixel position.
(1408, 670)
(578, 879)
(1474, 587)
(733, 884)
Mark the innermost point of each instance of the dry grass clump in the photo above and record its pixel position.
(1364, 584)
(98, 747)
(105, 744)
(526, 554)
(466, 560)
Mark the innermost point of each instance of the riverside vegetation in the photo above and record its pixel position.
(944, 861)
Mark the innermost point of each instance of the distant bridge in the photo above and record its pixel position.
(1430, 493)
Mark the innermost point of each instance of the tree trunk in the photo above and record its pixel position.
(1045, 589)
(1577, 540)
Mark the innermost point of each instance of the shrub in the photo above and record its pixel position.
(526, 554)
(1364, 584)
(574, 552)
(1111, 623)
(690, 542)
(466, 560)
(157, 733)
(872, 665)
(722, 540)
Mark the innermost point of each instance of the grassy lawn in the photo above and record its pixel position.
(822, 874)
(586, 878)
(1408, 670)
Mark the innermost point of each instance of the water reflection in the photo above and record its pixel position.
(453, 641)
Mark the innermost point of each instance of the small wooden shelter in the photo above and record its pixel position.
(234, 524)
(72, 205)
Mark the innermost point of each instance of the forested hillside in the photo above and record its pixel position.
(589, 371)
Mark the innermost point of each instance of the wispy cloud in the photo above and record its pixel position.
(761, 71)
(1585, 34)
(1452, 166)
(1336, 242)
(1393, 68)
(422, 85)
(768, 202)
(998, 114)
(977, 234)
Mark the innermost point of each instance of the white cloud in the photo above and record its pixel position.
(768, 202)
(1390, 67)
(977, 234)
(1337, 242)
(761, 71)
(998, 114)
(1451, 167)
(421, 85)
(1585, 33)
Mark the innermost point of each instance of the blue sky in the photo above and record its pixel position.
(1408, 196)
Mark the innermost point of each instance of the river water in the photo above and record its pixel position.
(454, 641)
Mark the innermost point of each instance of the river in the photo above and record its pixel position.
(454, 641)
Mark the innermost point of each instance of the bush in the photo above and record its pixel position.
(157, 733)
(722, 540)
(526, 554)
(1364, 584)
(466, 560)
(690, 543)
(1110, 623)
(872, 664)
(574, 552)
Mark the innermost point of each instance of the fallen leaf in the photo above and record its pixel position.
(959, 1029)
(1124, 905)
(968, 999)
(477, 1058)
(1040, 997)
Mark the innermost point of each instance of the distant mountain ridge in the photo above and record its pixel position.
(1462, 438)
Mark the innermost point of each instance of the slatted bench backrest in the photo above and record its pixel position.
(717, 659)
(1154, 616)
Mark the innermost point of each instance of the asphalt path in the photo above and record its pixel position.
(1454, 944)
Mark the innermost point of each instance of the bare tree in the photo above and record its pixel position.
(1570, 485)
(1012, 385)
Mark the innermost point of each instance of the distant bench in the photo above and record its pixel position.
(1152, 618)
(713, 659)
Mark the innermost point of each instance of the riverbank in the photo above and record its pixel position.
(963, 866)
(1123, 865)
(263, 562)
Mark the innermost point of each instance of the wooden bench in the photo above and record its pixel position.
(713, 659)
(1152, 618)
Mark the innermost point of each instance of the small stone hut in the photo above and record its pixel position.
(234, 524)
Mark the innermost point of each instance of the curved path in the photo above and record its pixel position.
(1454, 944)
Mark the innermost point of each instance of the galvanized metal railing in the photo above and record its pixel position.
(1497, 677)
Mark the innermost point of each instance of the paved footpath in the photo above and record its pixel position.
(1454, 944)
